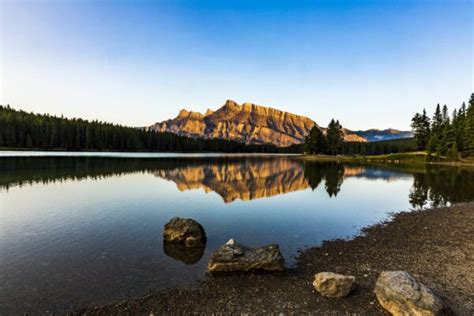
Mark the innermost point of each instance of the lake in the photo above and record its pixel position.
(85, 229)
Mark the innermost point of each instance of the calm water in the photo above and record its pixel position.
(79, 231)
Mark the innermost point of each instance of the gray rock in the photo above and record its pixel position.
(186, 231)
(333, 285)
(400, 294)
(233, 257)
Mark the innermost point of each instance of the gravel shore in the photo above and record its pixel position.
(436, 246)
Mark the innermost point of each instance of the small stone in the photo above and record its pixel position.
(400, 294)
(333, 285)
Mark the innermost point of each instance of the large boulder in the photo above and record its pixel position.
(233, 257)
(333, 285)
(186, 231)
(400, 294)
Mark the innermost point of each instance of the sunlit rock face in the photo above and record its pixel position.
(245, 181)
(248, 123)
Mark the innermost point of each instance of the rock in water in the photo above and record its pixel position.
(400, 294)
(233, 257)
(333, 285)
(185, 230)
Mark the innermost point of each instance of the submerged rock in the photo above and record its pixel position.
(186, 231)
(233, 257)
(400, 294)
(179, 252)
(335, 285)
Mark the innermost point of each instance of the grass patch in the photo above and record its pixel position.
(416, 157)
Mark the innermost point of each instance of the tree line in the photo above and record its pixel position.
(330, 142)
(383, 147)
(23, 130)
(445, 136)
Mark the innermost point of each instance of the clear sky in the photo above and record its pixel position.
(367, 63)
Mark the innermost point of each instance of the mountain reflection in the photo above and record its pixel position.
(252, 179)
(246, 178)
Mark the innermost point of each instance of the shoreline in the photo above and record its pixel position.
(408, 158)
(435, 245)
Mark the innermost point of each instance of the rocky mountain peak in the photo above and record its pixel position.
(231, 106)
(208, 112)
(248, 123)
(183, 113)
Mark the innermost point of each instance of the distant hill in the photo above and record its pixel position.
(248, 123)
(374, 135)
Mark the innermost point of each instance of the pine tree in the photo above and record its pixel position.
(315, 142)
(453, 153)
(421, 128)
(448, 140)
(445, 115)
(459, 122)
(335, 137)
(437, 126)
(468, 138)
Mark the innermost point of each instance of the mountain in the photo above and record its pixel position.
(248, 123)
(373, 135)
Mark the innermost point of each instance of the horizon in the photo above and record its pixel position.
(139, 63)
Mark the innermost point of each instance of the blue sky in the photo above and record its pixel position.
(367, 63)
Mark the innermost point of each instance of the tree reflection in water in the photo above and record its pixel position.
(433, 186)
(440, 186)
(331, 172)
